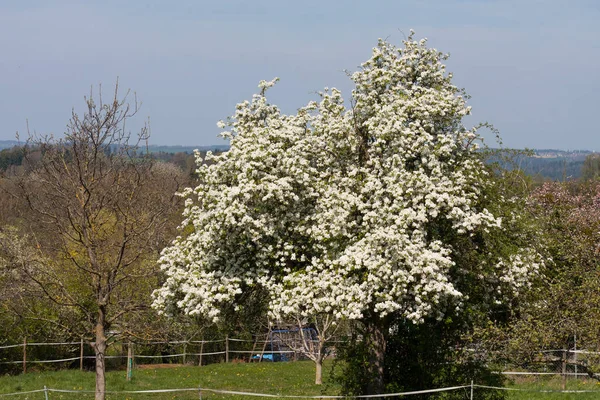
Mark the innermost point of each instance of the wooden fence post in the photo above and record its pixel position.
(201, 349)
(227, 348)
(81, 355)
(575, 354)
(262, 353)
(129, 361)
(25, 355)
(564, 370)
(184, 350)
(253, 348)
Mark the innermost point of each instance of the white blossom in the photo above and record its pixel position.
(331, 209)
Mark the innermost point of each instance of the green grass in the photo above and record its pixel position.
(554, 383)
(295, 378)
(271, 378)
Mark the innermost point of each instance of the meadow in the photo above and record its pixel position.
(278, 379)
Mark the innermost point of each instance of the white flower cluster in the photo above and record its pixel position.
(335, 209)
(517, 273)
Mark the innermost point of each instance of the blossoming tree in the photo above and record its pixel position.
(342, 208)
(564, 312)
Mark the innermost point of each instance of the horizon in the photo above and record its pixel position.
(198, 146)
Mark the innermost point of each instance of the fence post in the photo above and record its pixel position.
(184, 350)
(45, 392)
(575, 354)
(129, 361)
(200, 393)
(253, 348)
(262, 352)
(25, 355)
(471, 389)
(81, 355)
(226, 348)
(200, 356)
(564, 370)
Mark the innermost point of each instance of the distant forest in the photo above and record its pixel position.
(562, 167)
(12, 155)
(543, 165)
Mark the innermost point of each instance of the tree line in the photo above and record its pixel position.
(538, 168)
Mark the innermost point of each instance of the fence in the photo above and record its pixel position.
(46, 390)
(469, 392)
(80, 354)
(546, 374)
(557, 368)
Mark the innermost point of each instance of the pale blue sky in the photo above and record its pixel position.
(532, 67)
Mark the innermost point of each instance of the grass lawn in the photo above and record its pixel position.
(553, 383)
(272, 378)
(291, 378)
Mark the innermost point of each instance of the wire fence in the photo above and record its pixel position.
(564, 362)
(549, 372)
(80, 354)
(17, 357)
(471, 391)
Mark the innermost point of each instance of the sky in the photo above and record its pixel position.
(531, 67)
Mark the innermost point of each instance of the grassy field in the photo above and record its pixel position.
(530, 387)
(271, 378)
(295, 378)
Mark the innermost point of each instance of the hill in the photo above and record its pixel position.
(553, 164)
(549, 164)
(7, 144)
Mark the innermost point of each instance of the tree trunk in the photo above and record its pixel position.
(376, 343)
(100, 350)
(319, 361)
(319, 371)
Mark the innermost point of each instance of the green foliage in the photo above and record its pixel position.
(11, 157)
(435, 355)
(591, 167)
(566, 304)
(431, 355)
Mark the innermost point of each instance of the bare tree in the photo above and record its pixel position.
(98, 210)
